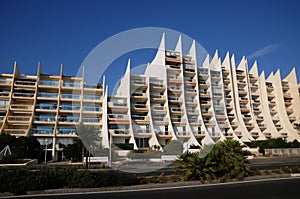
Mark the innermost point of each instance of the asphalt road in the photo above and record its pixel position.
(268, 189)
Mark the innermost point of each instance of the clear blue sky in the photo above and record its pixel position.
(64, 32)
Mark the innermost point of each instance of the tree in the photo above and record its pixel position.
(225, 161)
(74, 151)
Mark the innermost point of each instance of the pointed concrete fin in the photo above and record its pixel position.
(103, 81)
(215, 60)
(262, 75)
(39, 71)
(254, 68)
(278, 73)
(61, 70)
(242, 64)
(226, 61)
(233, 61)
(192, 52)
(16, 69)
(270, 78)
(82, 72)
(128, 67)
(206, 62)
(292, 74)
(179, 45)
(159, 58)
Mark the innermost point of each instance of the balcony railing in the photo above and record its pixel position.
(44, 118)
(4, 81)
(23, 95)
(91, 97)
(20, 107)
(68, 119)
(46, 106)
(90, 119)
(48, 95)
(18, 119)
(25, 83)
(49, 83)
(70, 96)
(42, 131)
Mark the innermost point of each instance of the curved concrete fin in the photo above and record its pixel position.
(16, 69)
(39, 70)
(242, 64)
(128, 67)
(215, 64)
(192, 52)
(61, 70)
(179, 45)
(103, 81)
(291, 74)
(159, 58)
(270, 77)
(233, 61)
(206, 62)
(254, 68)
(226, 61)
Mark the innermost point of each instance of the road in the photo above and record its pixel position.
(267, 189)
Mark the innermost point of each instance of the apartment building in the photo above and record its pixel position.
(175, 99)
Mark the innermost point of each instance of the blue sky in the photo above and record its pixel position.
(64, 32)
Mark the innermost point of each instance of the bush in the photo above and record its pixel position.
(225, 161)
(20, 180)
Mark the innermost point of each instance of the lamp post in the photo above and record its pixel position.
(46, 142)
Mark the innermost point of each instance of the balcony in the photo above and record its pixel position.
(175, 99)
(239, 134)
(118, 106)
(289, 111)
(92, 87)
(173, 57)
(204, 94)
(174, 79)
(24, 83)
(178, 121)
(195, 122)
(19, 119)
(174, 67)
(270, 96)
(69, 108)
(91, 120)
(139, 107)
(272, 103)
(244, 100)
(17, 132)
(46, 131)
(21, 107)
(68, 120)
(64, 131)
(262, 126)
(5, 82)
(247, 117)
(275, 119)
(241, 83)
(174, 90)
(257, 110)
(138, 119)
(157, 86)
(253, 79)
(288, 103)
(73, 85)
(203, 85)
(255, 135)
(49, 84)
(234, 125)
(47, 96)
(44, 119)
(118, 119)
(240, 74)
(245, 110)
(268, 135)
(190, 101)
(278, 127)
(273, 111)
(91, 109)
(157, 98)
(229, 107)
(287, 96)
(249, 125)
(4, 94)
(200, 134)
(207, 114)
(229, 135)
(46, 107)
(242, 92)
(70, 97)
(230, 116)
(91, 97)
(138, 96)
(23, 95)
(226, 80)
(119, 132)
(284, 135)
(292, 118)
(256, 94)
(191, 91)
(158, 109)
(176, 111)
(209, 123)
(259, 118)
(160, 120)
(163, 135)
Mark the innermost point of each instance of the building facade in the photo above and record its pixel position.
(175, 99)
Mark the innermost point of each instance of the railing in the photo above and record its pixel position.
(70, 131)
(90, 119)
(20, 107)
(91, 97)
(119, 131)
(46, 106)
(15, 131)
(45, 118)
(24, 83)
(41, 131)
(5, 81)
(70, 84)
(68, 119)
(70, 107)
(92, 86)
(91, 108)
(18, 119)
(48, 95)
(50, 83)
(70, 96)
(26, 95)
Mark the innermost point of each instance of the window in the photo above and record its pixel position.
(142, 142)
